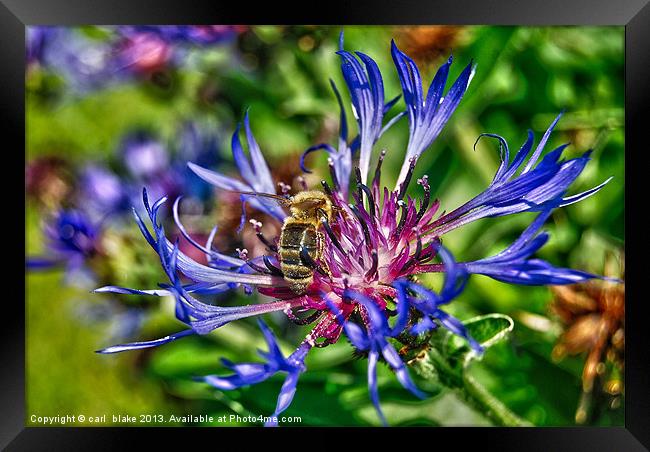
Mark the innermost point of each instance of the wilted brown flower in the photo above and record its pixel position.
(594, 317)
(425, 44)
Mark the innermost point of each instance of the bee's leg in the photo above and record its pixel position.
(308, 261)
(272, 268)
(326, 224)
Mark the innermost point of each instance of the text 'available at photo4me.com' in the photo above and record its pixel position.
(149, 419)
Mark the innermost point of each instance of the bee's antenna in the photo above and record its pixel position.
(281, 199)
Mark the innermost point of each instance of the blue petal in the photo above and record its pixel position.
(285, 397)
(239, 156)
(256, 173)
(252, 373)
(367, 92)
(533, 272)
(343, 133)
(143, 229)
(426, 118)
(585, 194)
(513, 266)
(521, 155)
(372, 384)
(410, 79)
(356, 335)
(127, 291)
(237, 381)
(271, 342)
(395, 361)
(438, 84)
(212, 256)
(504, 155)
(424, 325)
(145, 344)
(455, 326)
(40, 263)
(342, 158)
(377, 318)
(263, 181)
(540, 146)
(455, 276)
(402, 309)
(536, 188)
(427, 302)
(318, 147)
(228, 183)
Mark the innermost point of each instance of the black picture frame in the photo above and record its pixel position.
(633, 14)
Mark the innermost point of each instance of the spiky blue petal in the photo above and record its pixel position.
(427, 117)
(251, 373)
(513, 264)
(536, 188)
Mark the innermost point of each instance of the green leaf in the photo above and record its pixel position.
(446, 356)
(487, 330)
(448, 353)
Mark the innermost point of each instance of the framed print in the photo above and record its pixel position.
(411, 218)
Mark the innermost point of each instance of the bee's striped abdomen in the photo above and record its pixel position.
(296, 236)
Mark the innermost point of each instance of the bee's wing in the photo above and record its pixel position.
(308, 204)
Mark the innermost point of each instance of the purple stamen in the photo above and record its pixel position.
(285, 188)
(327, 188)
(407, 179)
(357, 176)
(375, 263)
(364, 225)
(427, 197)
(257, 268)
(335, 180)
(324, 344)
(416, 256)
(376, 179)
(402, 219)
(258, 232)
(361, 189)
(273, 248)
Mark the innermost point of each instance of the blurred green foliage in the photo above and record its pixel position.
(525, 77)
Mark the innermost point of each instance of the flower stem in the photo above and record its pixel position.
(431, 365)
(489, 405)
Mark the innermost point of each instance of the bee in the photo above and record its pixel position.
(301, 242)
